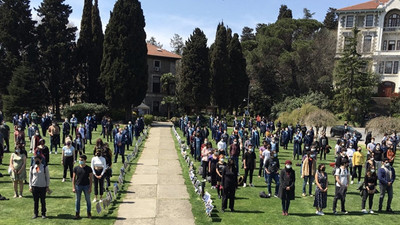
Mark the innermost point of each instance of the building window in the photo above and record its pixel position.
(398, 45)
(394, 20)
(157, 65)
(388, 67)
(395, 67)
(156, 84)
(349, 21)
(384, 46)
(392, 45)
(367, 43)
(381, 66)
(156, 106)
(369, 20)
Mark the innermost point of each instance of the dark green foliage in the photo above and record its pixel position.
(194, 76)
(81, 110)
(354, 83)
(168, 82)
(395, 106)
(285, 12)
(124, 65)
(17, 38)
(240, 81)
(247, 34)
(220, 70)
(307, 14)
(153, 41)
(25, 92)
(97, 90)
(56, 43)
(331, 19)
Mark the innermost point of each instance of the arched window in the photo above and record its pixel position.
(393, 20)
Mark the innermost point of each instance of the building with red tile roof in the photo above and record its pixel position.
(379, 38)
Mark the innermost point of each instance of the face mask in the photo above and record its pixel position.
(251, 150)
(19, 129)
(387, 164)
(37, 162)
(275, 155)
(17, 151)
(37, 134)
(288, 166)
(372, 171)
(81, 162)
(312, 155)
(344, 153)
(221, 159)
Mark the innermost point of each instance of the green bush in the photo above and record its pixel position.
(395, 105)
(117, 114)
(160, 118)
(148, 119)
(81, 110)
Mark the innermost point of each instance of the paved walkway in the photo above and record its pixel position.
(157, 194)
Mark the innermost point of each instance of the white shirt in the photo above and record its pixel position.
(350, 153)
(68, 151)
(266, 154)
(99, 162)
(222, 145)
(343, 175)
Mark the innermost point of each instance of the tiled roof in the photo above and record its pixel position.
(156, 51)
(364, 6)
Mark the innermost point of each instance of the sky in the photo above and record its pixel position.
(164, 18)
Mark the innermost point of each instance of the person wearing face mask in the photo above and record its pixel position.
(249, 162)
(68, 158)
(350, 152)
(39, 181)
(99, 167)
(261, 151)
(18, 173)
(119, 141)
(272, 172)
(220, 167)
(342, 177)
(19, 136)
(342, 158)
(286, 192)
(82, 182)
(357, 161)
(44, 150)
(308, 172)
(378, 155)
(370, 182)
(212, 167)
(229, 185)
(321, 189)
(386, 176)
(35, 141)
(371, 146)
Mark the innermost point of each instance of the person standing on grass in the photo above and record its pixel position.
(5, 131)
(272, 172)
(66, 127)
(342, 178)
(212, 168)
(358, 161)
(220, 167)
(249, 162)
(74, 124)
(107, 154)
(88, 132)
(308, 169)
(205, 152)
(229, 185)
(82, 182)
(370, 182)
(323, 141)
(99, 167)
(18, 173)
(39, 181)
(261, 152)
(68, 158)
(297, 145)
(386, 176)
(287, 186)
(321, 190)
(53, 132)
(120, 141)
(234, 152)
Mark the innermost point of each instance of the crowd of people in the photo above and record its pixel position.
(243, 143)
(97, 172)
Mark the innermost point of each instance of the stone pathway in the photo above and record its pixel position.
(157, 194)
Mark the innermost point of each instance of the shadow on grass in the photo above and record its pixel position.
(247, 211)
(83, 216)
(52, 196)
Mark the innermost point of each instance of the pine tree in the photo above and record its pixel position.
(124, 66)
(220, 82)
(84, 51)
(56, 43)
(177, 44)
(331, 19)
(17, 39)
(97, 94)
(285, 12)
(239, 78)
(354, 84)
(247, 34)
(193, 90)
(25, 91)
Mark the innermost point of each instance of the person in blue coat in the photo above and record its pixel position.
(386, 177)
(119, 141)
(297, 145)
(285, 138)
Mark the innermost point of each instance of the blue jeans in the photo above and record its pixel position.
(78, 191)
(310, 179)
(268, 179)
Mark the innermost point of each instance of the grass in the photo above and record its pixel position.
(61, 203)
(250, 208)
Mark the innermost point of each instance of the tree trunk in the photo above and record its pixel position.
(169, 110)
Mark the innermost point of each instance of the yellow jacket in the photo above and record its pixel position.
(358, 159)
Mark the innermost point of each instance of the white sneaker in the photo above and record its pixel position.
(321, 213)
(364, 211)
(251, 185)
(30, 151)
(370, 211)
(244, 185)
(63, 180)
(101, 200)
(55, 153)
(94, 200)
(351, 182)
(358, 182)
(317, 212)
(51, 153)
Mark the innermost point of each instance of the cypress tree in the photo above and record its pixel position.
(192, 85)
(331, 19)
(56, 43)
(84, 52)
(239, 78)
(25, 91)
(285, 12)
(97, 94)
(124, 66)
(17, 38)
(220, 81)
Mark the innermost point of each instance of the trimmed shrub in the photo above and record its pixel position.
(148, 119)
(383, 124)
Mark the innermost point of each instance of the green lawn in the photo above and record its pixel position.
(61, 203)
(251, 209)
